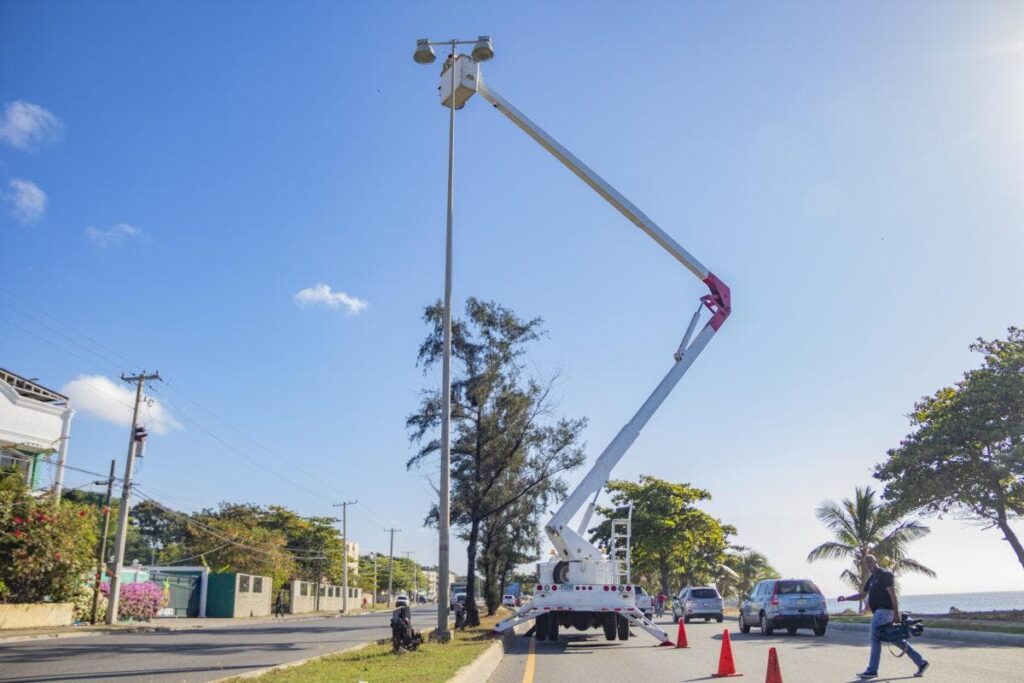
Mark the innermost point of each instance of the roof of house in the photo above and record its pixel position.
(30, 389)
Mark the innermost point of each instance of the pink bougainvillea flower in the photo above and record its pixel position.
(19, 520)
(18, 533)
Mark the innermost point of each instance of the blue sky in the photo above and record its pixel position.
(853, 171)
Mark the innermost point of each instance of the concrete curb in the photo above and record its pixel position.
(484, 666)
(44, 636)
(984, 637)
(169, 625)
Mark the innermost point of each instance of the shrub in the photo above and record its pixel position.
(44, 549)
(82, 600)
(138, 600)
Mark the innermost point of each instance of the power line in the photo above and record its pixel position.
(365, 511)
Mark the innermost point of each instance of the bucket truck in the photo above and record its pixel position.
(584, 587)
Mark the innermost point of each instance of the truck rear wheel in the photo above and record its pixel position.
(540, 626)
(553, 627)
(609, 627)
(623, 627)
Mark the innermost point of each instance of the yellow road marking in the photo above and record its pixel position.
(531, 662)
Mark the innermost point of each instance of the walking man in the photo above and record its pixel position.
(880, 590)
(279, 605)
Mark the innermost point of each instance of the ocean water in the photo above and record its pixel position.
(940, 603)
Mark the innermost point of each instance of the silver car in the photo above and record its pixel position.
(784, 603)
(695, 602)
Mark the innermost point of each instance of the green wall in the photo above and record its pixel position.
(220, 595)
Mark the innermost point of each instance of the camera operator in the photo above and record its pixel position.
(880, 590)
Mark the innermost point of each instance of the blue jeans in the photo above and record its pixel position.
(882, 617)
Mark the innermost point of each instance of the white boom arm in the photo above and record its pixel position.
(570, 543)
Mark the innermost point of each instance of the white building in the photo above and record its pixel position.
(35, 422)
(352, 554)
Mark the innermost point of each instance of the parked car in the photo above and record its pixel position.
(784, 603)
(645, 603)
(695, 602)
(402, 601)
(508, 600)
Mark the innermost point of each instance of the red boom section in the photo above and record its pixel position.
(719, 301)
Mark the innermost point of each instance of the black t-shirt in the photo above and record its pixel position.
(875, 587)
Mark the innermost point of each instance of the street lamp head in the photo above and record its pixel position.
(483, 50)
(424, 53)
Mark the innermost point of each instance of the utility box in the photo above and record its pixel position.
(467, 75)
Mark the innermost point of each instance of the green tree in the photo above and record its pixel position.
(231, 539)
(45, 550)
(673, 542)
(966, 453)
(507, 540)
(867, 525)
(157, 529)
(505, 445)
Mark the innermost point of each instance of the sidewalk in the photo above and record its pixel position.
(160, 625)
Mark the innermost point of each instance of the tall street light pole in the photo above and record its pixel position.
(424, 54)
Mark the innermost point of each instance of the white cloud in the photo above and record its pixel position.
(114, 235)
(26, 126)
(321, 295)
(1002, 49)
(110, 401)
(28, 201)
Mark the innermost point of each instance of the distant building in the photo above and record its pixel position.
(432, 577)
(35, 423)
(352, 553)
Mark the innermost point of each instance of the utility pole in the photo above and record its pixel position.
(126, 492)
(344, 545)
(101, 557)
(374, 596)
(391, 566)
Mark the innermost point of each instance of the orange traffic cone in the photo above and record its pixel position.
(681, 638)
(726, 667)
(774, 675)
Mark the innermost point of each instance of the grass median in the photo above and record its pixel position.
(991, 622)
(431, 663)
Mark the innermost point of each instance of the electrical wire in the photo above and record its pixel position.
(365, 510)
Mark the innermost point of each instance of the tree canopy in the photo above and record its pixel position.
(966, 453)
(673, 542)
(507, 447)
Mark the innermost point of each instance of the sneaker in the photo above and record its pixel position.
(864, 675)
(921, 669)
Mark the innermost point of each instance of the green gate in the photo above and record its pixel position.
(184, 592)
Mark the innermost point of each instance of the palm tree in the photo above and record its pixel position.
(868, 525)
(749, 568)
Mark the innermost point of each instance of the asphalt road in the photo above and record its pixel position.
(191, 655)
(586, 657)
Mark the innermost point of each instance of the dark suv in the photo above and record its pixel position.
(784, 603)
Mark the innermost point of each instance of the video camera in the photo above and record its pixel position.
(896, 633)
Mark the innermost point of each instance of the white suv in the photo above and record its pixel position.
(696, 602)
